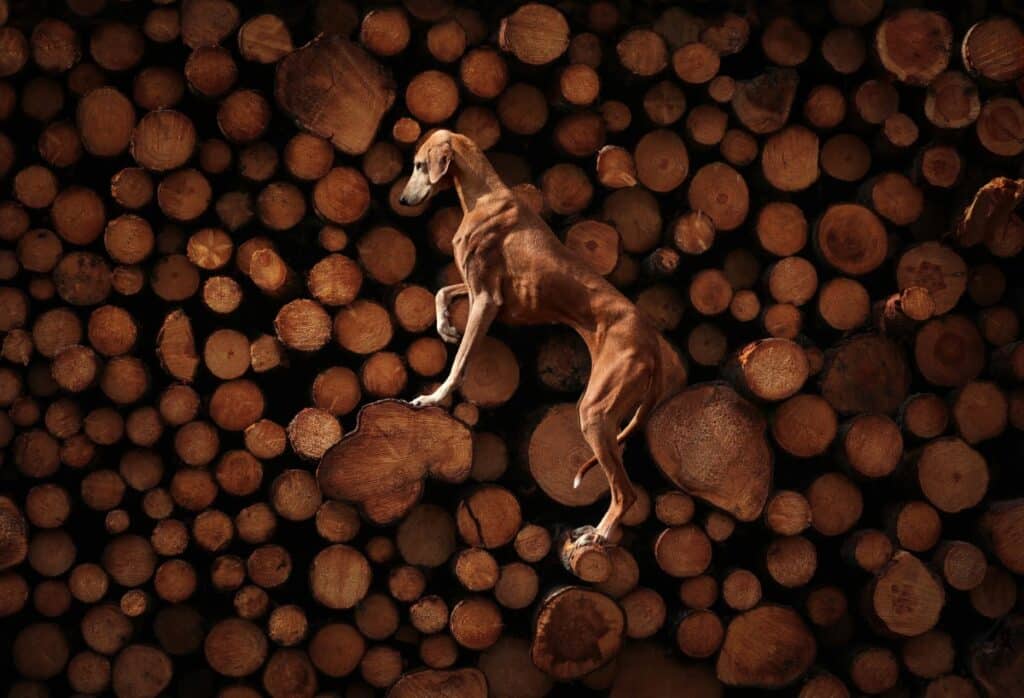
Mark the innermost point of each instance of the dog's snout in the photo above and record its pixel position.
(403, 200)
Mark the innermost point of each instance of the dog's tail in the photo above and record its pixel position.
(638, 418)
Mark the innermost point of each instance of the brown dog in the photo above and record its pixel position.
(515, 269)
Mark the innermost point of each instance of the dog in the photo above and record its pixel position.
(516, 270)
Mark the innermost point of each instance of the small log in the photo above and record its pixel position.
(871, 445)
(952, 101)
(789, 159)
(868, 549)
(176, 347)
(791, 561)
(900, 313)
(938, 269)
(961, 564)
(949, 351)
(770, 369)
(851, 238)
(588, 561)
(489, 517)
(14, 546)
(721, 192)
(990, 129)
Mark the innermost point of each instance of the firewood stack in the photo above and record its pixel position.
(207, 274)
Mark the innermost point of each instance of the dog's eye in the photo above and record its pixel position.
(419, 165)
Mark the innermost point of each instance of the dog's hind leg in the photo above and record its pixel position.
(609, 399)
(600, 435)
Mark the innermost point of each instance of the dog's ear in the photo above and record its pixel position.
(439, 157)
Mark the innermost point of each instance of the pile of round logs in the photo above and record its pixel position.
(206, 275)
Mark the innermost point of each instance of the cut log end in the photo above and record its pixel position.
(577, 631)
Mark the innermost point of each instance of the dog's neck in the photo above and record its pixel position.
(473, 174)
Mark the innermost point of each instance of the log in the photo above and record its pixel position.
(463, 682)
(991, 50)
(762, 103)
(914, 45)
(576, 631)
(989, 212)
(867, 373)
(906, 596)
(535, 34)
(712, 471)
(324, 82)
(1001, 525)
(766, 647)
(996, 661)
(388, 499)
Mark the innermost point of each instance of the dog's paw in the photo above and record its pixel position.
(587, 535)
(424, 401)
(431, 399)
(449, 333)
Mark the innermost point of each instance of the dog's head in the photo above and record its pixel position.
(430, 164)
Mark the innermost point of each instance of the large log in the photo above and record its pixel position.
(733, 468)
(577, 630)
(392, 442)
(334, 89)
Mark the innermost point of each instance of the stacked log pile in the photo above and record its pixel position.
(207, 275)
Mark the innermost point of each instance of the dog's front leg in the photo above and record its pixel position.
(482, 310)
(443, 300)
